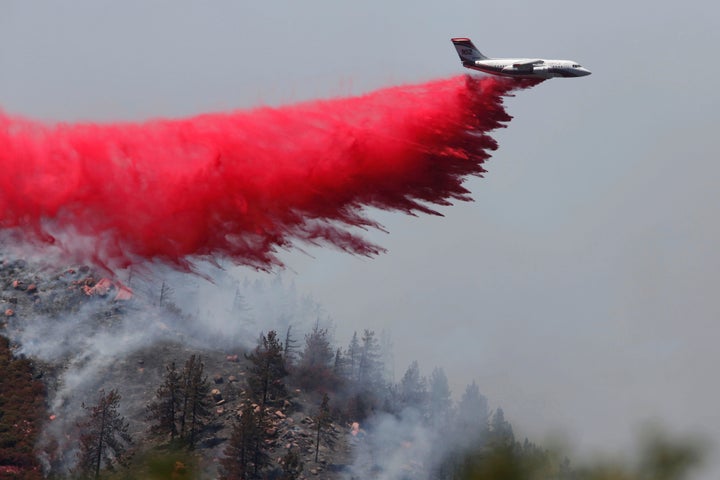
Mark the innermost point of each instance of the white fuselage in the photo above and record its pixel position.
(471, 57)
(528, 67)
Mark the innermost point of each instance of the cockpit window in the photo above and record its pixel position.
(575, 65)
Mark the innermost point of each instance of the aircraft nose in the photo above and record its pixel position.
(585, 72)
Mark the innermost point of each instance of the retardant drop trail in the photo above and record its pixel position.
(241, 184)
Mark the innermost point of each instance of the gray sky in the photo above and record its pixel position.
(579, 290)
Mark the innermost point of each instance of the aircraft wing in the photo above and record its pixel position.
(528, 64)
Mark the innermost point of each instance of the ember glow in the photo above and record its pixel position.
(244, 183)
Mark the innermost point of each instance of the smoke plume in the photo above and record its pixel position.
(245, 183)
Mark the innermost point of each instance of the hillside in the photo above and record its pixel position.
(46, 311)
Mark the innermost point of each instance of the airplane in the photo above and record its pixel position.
(516, 67)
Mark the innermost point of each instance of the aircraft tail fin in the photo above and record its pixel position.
(467, 50)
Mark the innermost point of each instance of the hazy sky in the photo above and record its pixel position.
(579, 290)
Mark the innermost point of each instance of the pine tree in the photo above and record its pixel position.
(243, 458)
(440, 401)
(365, 375)
(387, 357)
(195, 412)
(473, 412)
(314, 368)
(353, 359)
(317, 352)
(267, 369)
(501, 431)
(413, 387)
(370, 368)
(338, 363)
(104, 435)
(163, 412)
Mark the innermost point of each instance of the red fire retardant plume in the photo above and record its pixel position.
(244, 183)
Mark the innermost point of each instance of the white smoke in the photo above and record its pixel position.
(393, 448)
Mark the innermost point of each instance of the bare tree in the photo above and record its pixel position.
(290, 347)
(322, 420)
(166, 292)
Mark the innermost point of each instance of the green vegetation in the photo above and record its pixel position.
(661, 458)
(158, 464)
